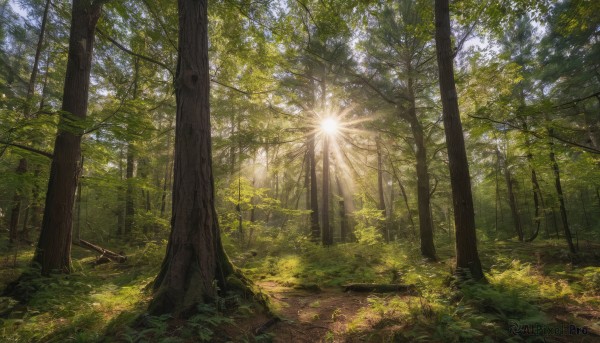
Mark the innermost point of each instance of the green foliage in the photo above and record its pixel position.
(368, 224)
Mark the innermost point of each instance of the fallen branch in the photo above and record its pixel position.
(105, 254)
(380, 288)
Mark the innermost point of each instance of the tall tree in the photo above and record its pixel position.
(400, 50)
(195, 258)
(467, 257)
(53, 252)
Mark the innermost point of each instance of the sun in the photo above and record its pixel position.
(330, 126)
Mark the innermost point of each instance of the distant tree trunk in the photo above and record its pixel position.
(38, 52)
(195, 268)
(381, 197)
(22, 167)
(16, 210)
(315, 229)
(53, 251)
(405, 198)
(537, 192)
(559, 192)
(327, 234)
(77, 230)
(120, 211)
(129, 194)
(467, 257)
(163, 198)
(511, 195)
(343, 222)
(423, 188)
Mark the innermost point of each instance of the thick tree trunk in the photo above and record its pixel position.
(195, 268)
(315, 229)
(327, 234)
(53, 252)
(467, 257)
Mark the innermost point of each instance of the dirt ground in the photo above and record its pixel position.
(315, 316)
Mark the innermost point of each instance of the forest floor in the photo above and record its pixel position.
(536, 293)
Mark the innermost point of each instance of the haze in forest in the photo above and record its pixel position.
(299, 171)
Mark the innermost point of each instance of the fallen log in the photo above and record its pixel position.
(380, 288)
(105, 254)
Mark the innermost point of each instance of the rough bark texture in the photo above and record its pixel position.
(467, 257)
(195, 267)
(53, 251)
(315, 229)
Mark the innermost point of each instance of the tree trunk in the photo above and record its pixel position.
(327, 234)
(512, 202)
(381, 198)
(315, 229)
(38, 52)
(129, 194)
(559, 192)
(22, 167)
(405, 198)
(15, 213)
(195, 268)
(163, 198)
(53, 251)
(537, 192)
(467, 257)
(423, 188)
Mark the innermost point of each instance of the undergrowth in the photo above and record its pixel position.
(528, 284)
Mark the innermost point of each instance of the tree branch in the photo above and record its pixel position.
(122, 47)
(30, 149)
(537, 135)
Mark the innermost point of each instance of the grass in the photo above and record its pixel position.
(529, 284)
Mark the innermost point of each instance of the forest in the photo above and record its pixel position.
(300, 171)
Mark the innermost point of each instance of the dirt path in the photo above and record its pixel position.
(313, 316)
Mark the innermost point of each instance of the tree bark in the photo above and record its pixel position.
(467, 257)
(53, 251)
(195, 268)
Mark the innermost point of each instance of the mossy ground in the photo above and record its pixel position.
(536, 284)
